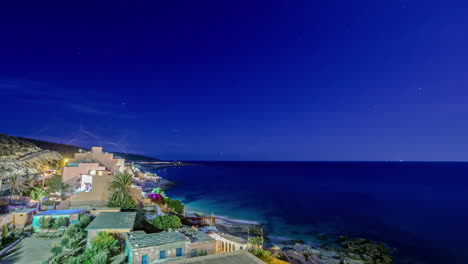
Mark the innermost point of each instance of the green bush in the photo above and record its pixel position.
(104, 242)
(56, 249)
(166, 222)
(175, 205)
(48, 203)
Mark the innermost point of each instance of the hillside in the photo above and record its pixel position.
(69, 150)
(18, 155)
(15, 147)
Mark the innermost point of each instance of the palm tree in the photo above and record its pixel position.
(17, 184)
(120, 187)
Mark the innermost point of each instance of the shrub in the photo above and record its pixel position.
(61, 222)
(104, 242)
(56, 249)
(65, 241)
(48, 203)
(166, 222)
(100, 257)
(176, 205)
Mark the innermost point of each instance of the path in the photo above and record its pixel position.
(29, 251)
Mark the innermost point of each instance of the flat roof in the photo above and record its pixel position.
(200, 237)
(232, 238)
(142, 240)
(62, 212)
(234, 257)
(113, 220)
(192, 214)
(24, 210)
(89, 207)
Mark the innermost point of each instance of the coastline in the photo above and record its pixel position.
(293, 241)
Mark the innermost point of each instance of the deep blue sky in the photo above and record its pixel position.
(240, 80)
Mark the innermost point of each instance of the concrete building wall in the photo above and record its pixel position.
(71, 175)
(20, 220)
(152, 253)
(103, 158)
(6, 219)
(99, 191)
(208, 247)
(225, 245)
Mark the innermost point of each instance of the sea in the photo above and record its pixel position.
(420, 209)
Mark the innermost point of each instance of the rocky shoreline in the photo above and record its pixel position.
(331, 249)
(334, 250)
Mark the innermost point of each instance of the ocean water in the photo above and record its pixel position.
(418, 208)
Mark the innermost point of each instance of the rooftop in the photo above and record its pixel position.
(234, 257)
(24, 210)
(140, 239)
(89, 207)
(200, 237)
(113, 220)
(61, 212)
(192, 214)
(195, 235)
(232, 238)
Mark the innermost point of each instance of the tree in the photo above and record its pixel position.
(55, 184)
(166, 222)
(120, 187)
(100, 257)
(256, 240)
(104, 242)
(74, 260)
(176, 205)
(84, 221)
(37, 193)
(44, 223)
(17, 184)
(65, 241)
(56, 249)
(60, 222)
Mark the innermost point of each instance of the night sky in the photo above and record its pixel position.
(240, 80)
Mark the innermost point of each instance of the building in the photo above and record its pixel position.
(236, 257)
(72, 173)
(227, 243)
(111, 222)
(201, 244)
(199, 219)
(23, 218)
(89, 175)
(6, 219)
(72, 214)
(82, 163)
(96, 210)
(145, 248)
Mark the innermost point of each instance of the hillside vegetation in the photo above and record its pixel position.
(19, 154)
(69, 150)
(15, 147)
